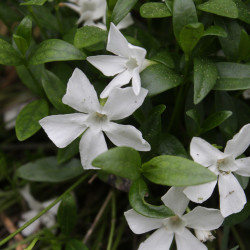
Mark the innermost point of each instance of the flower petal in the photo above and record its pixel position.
(123, 103)
(187, 241)
(136, 81)
(203, 218)
(33, 203)
(63, 129)
(139, 53)
(161, 239)
(32, 228)
(117, 43)
(91, 145)
(54, 209)
(243, 165)
(175, 200)
(108, 65)
(204, 153)
(232, 196)
(239, 143)
(80, 93)
(126, 135)
(140, 224)
(200, 193)
(125, 22)
(118, 81)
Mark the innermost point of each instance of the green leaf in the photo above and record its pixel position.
(67, 214)
(184, 12)
(34, 2)
(32, 244)
(233, 76)
(215, 31)
(121, 161)
(226, 8)
(244, 46)
(48, 170)
(24, 29)
(165, 58)
(8, 55)
(89, 36)
(27, 120)
(65, 154)
(158, 78)
(239, 217)
(55, 89)
(55, 50)
(243, 10)
(154, 10)
(194, 114)
(230, 44)
(75, 245)
(215, 120)
(137, 193)
(223, 101)
(190, 35)
(205, 76)
(31, 77)
(176, 171)
(21, 43)
(121, 9)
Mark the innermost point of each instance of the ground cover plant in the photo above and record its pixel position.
(124, 124)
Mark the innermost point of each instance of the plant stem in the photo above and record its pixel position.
(119, 233)
(113, 219)
(225, 238)
(44, 210)
(238, 239)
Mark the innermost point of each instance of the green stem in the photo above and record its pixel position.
(44, 210)
(225, 238)
(238, 239)
(118, 235)
(113, 219)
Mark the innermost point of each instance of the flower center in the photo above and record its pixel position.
(97, 120)
(226, 165)
(174, 224)
(131, 63)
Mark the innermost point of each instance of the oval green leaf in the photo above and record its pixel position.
(205, 76)
(121, 161)
(35, 2)
(55, 50)
(137, 193)
(27, 120)
(215, 31)
(154, 10)
(158, 78)
(176, 171)
(49, 170)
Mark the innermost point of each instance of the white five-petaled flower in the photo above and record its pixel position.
(199, 218)
(95, 119)
(48, 219)
(89, 10)
(127, 64)
(232, 196)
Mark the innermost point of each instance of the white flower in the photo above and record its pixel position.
(127, 64)
(94, 118)
(89, 10)
(48, 219)
(204, 235)
(199, 218)
(232, 196)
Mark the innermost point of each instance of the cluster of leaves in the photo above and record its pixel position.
(201, 54)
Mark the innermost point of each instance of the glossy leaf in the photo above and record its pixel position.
(34, 2)
(176, 171)
(67, 214)
(184, 12)
(121, 9)
(226, 8)
(75, 245)
(215, 31)
(121, 161)
(165, 58)
(244, 46)
(158, 78)
(8, 55)
(194, 114)
(27, 120)
(137, 193)
(233, 76)
(24, 29)
(243, 11)
(205, 76)
(55, 50)
(190, 35)
(55, 89)
(21, 43)
(154, 10)
(215, 120)
(48, 170)
(89, 36)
